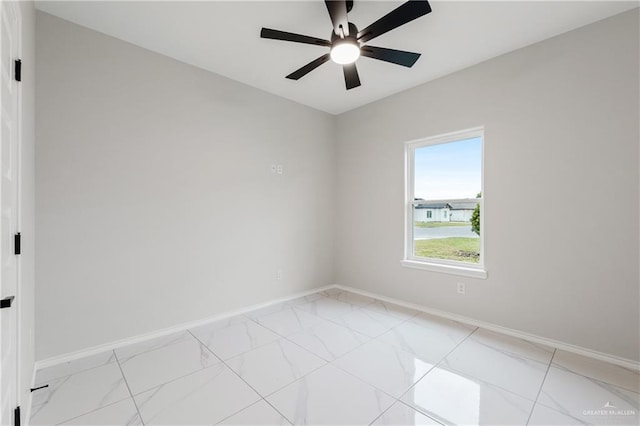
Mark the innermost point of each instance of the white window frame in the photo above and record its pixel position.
(473, 270)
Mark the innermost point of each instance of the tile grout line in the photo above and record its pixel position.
(330, 361)
(290, 341)
(398, 399)
(221, 361)
(382, 414)
(490, 383)
(370, 339)
(326, 361)
(357, 309)
(181, 376)
(145, 351)
(68, 376)
(309, 327)
(280, 336)
(58, 360)
(430, 370)
(486, 382)
(52, 379)
(241, 378)
(535, 402)
(175, 379)
(128, 387)
(402, 321)
(430, 416)
(283, 337)
(332, 320)
(593, 379)
(512, 353)
(92, 411)
(360, 308)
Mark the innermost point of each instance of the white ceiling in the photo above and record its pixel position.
(223, 37)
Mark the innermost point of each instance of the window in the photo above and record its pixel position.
(444, 173)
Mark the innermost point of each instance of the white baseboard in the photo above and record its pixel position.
(623, 362)
(627, 363)
(48, 362)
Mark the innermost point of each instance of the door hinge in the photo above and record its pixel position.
(18, 69)
(17, 242)
(16, 416)
(6, 302)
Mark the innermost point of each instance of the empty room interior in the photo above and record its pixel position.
(320, 213)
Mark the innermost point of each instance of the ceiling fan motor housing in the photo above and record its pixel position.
(347, 46)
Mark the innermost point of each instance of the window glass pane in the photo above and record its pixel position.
(449, 174)
(446, 232)
(449, 170)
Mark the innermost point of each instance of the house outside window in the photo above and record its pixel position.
(444, 174)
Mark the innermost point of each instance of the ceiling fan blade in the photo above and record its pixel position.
(351, 77)
(400, 16)
(308, 68)
(400, 57)
(338, 13)
(297, 38)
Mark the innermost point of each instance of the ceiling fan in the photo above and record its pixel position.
(347, 43)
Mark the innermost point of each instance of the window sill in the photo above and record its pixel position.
(445, 269)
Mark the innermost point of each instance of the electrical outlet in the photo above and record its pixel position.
(274, 168)
(280, 169)
(278, 274)
(462, 288)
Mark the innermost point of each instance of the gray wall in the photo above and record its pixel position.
(155, 203)
(26, 299)
(155, 200)
(561, 133)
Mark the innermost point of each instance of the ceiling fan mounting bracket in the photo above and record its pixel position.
(353, 32)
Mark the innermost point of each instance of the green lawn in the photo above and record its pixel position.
(455, 248)
(439, 224)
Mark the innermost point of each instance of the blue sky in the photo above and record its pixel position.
(449, 170)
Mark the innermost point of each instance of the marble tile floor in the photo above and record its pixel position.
(336, 358)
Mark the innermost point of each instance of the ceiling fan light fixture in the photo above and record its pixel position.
(345, 51)
(345, 40)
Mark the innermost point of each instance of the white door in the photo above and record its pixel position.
(9, 152)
